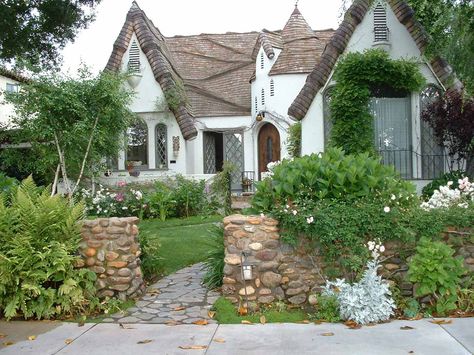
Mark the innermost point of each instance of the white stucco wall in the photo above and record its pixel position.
(402, 45)
(149, 103)
(6, 110)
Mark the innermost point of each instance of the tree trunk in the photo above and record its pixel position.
(55, 182)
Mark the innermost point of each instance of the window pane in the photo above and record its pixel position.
(12, 87)
(137, 136)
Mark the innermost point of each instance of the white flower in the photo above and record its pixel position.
(393, 197)
(294, 212)
(124, 208)
(310, 219)
(262, 215)
(450, 183)
(139, 195)
(382, 248)
(386, 209)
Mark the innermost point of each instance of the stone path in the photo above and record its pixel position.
(179, 298)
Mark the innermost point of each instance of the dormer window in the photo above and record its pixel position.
(272, 88)
(262, 62)
(380, 23)
(134, 58)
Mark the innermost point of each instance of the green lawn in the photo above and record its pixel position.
(183, 241)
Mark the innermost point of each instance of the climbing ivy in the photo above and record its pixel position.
(294, 140)
(359, 76)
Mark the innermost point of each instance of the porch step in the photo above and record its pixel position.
(240, 202)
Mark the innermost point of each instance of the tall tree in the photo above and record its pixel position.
(35, 31)
(77, 121)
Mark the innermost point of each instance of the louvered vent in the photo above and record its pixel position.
(272, 88)
(262, 63)
(134, 58)
(380, 24)
(256, 104)
(263, 97)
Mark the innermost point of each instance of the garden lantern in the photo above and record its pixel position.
(247, 266)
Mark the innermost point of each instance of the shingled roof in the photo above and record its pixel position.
(11, 74)
(321, 72)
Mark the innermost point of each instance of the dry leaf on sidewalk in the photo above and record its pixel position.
(8, 343)
(124, 326)
(304, 321)
(32, 337)
(246, 322)
(179, 309)
(352, 325)
(263, 320)
(219, 340)
(330, 334)
(68, 341)
(406, 327)
(201, 322)
(211, 314)
(146, 341)
(441, 321)
(2, 335)
(192, 347)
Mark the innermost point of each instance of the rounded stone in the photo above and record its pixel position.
(78, 263)
(228, 289)
(229, 280)
(117, 264)
(249, 229)
(98, 269)
(272, 244)
(228, 270)
(111, 255)
(123, 287)
(110, 272)
(270, 279)
(265, 292)
(266, 299)
(90, 261)
(101, 255)
(267, 265)
(259, 237)
(294, 291)
(313, 300)
(239, 234)
(90, 252)
(97, 229)
(266, 255)
(124, 272)
(232, 259)
(295, 284)
(249, 290)
(257, 282)
(391, 267)
(256, 246)
(298, 299)
(94, 243)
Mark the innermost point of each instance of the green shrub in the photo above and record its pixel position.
(453, 176)
(214, 263)
(294, 140)
(331, 175)
(327, 308)
(7, 185)
(437, 274)
(150, 261)
(161, 202)
(39, 236)
(190, 197)
(220, 187)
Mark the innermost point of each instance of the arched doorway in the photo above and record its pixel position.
(268, 147)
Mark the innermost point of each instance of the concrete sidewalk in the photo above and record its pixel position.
(68, 338)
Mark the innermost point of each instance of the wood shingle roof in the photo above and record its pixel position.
(337, 44)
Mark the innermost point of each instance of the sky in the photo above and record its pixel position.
(93, 45)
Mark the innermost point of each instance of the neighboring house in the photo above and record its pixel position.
(233, 96)
(9, 82)
(401, 137)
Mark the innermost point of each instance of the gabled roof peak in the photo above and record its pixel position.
(296, 27)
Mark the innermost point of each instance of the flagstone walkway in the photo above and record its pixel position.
(179, 298)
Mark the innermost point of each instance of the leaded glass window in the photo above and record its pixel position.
(161, 146)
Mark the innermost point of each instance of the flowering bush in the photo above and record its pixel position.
(366, 301)
(446, 196)
(105, 202)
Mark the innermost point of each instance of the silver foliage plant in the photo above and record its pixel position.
(366, 301)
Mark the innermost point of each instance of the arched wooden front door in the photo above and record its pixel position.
(268, 147)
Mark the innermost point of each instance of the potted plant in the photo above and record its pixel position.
(246, 184)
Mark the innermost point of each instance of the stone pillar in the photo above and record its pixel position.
(110, 248)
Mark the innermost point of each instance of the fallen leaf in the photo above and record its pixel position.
(441, 321)
(146, 341)
(8, 343)
(32, 337)
(243, 311)
(263, 320)
(211, 314)
(319, 322)
(330, 334)
(305, 321)
(352, 325)
(2, 335)
(406, 327)
(124, 326)
(219, 340)
(246, 322)
(171, 323)
(411, 352)
(192, 347)
(179, 309)
(68, 341)
(201, 322)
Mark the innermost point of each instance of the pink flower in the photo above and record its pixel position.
(119, 197)
(121, 184)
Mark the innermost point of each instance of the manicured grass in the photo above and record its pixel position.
(226, 313)
(183, 242)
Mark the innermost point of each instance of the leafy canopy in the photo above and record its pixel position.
(35, 31)
(81, 120)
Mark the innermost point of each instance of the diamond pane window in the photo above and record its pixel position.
(161, 146)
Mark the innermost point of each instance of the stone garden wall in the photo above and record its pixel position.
(110, 248)
(282, 272)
